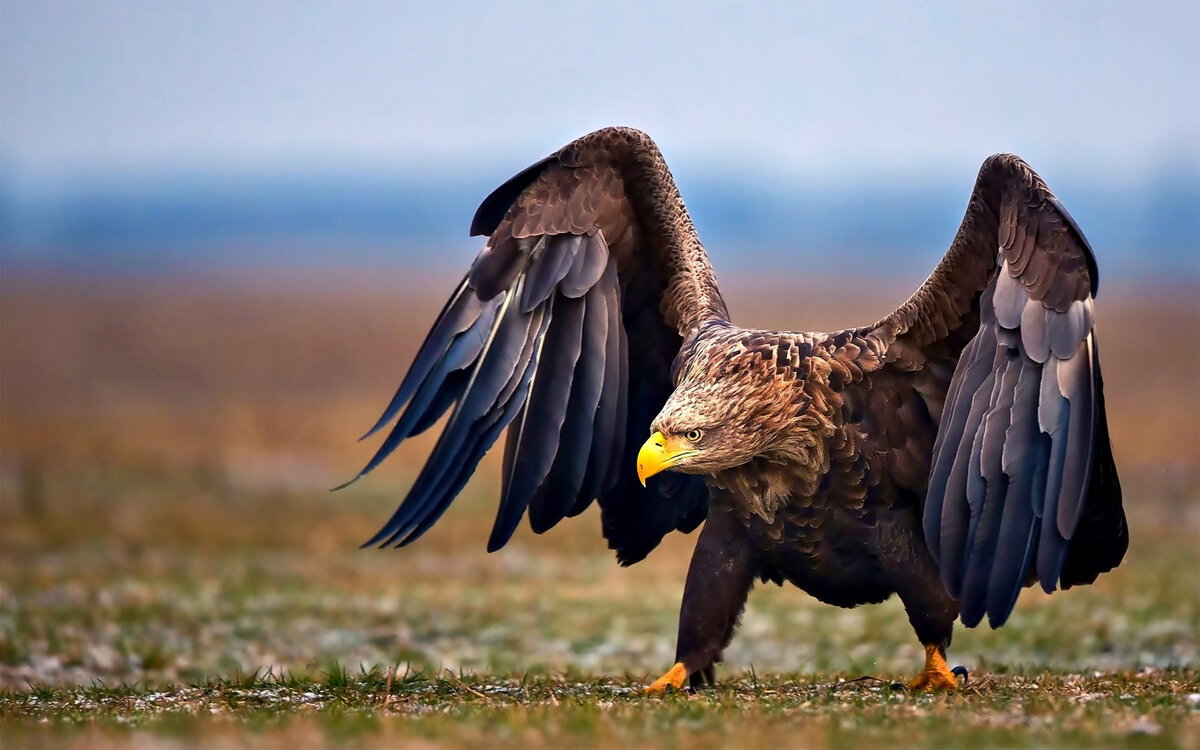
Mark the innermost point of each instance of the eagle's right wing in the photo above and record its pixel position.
(564, 332)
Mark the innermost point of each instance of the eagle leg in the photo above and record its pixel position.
(718, 582)
(931, 610)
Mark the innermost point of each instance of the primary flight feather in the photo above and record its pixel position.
(951, 453)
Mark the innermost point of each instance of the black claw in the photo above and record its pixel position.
(700, 680)
(961, 671)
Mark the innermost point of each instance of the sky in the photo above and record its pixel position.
(801, 91)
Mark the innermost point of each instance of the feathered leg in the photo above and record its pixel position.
(930, 610)
(718, 582)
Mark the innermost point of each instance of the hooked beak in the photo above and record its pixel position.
(659, 453)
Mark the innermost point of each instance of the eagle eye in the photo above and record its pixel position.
(694, 435)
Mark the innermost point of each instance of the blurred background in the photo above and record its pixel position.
(225, 227)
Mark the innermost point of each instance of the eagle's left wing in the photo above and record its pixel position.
(1022, 482)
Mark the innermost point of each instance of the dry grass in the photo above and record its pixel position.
(278, 376)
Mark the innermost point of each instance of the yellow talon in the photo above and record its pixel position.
(674, 678)
(936, 675)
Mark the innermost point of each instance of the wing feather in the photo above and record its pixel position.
(954, 418)
(595, 480)
(1054, 418)
(589, 265)
(552, 259)
(992, 493)
(505, 348)
(449, 392)
(461, 353)
(544, 414)
(461, 313)
(1077, 383)
(559, 492)
(1021, 453)
(618, 453)
(950, 447)
(490, 431)
(957, 511)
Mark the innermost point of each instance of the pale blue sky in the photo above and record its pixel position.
(803, 89)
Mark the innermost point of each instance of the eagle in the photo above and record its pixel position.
(951, 453)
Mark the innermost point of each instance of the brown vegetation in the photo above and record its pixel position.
(269, 378)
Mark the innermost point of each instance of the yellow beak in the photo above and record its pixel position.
(659, 453)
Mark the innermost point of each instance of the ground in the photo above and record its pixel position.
(172, 570)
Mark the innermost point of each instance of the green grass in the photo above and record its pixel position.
(154, 610)
(1147, 708)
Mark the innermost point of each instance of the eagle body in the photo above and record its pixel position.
(951, 453)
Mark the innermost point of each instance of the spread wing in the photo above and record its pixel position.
(1022, 484)
(563, 333)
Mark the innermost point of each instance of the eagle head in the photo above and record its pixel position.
(734, 401)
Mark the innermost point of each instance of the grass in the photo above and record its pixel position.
(173, 572)
(1148, 708)
(146, 608)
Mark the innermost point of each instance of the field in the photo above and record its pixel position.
(173, 569)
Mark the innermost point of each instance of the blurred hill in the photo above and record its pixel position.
(360, 219)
